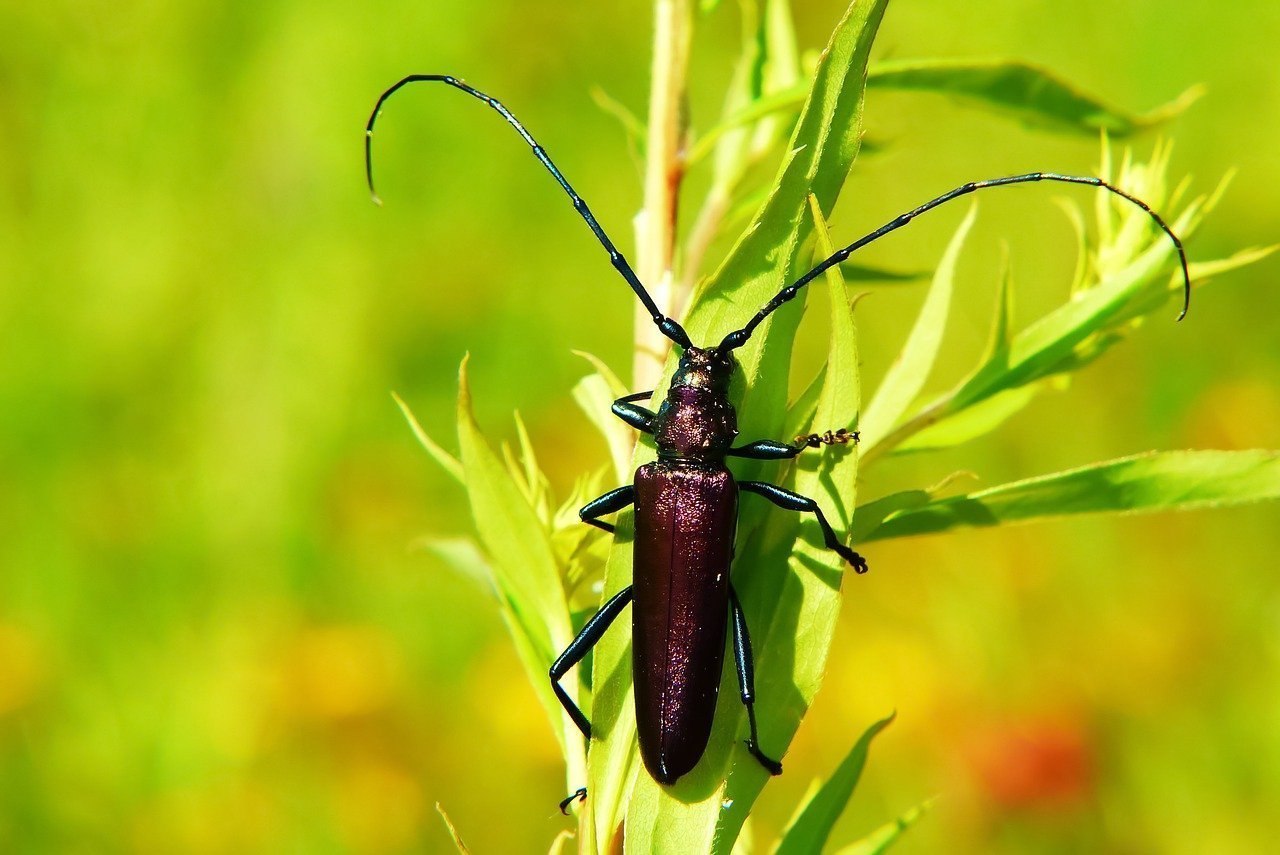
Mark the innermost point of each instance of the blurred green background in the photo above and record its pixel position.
(218, 631)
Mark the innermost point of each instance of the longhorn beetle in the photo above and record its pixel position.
(686, 502)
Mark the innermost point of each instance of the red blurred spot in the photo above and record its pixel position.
(1041, 765)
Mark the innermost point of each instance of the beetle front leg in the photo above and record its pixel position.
(578, 649)
(745, 662)
(795, 502)
(614, 500)
(769, 449)
(638, 417)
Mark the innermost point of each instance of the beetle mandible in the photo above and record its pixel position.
(686, 502)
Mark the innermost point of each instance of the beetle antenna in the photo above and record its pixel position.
(739, 337)
(666, 326)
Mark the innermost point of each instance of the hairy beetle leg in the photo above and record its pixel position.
(838, 437)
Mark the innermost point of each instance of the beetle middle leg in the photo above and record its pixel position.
(795, 502)
(745, 662)
(578, 649)
(614, 500)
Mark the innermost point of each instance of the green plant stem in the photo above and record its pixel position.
(664, 171)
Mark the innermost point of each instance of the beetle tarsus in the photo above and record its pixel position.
(578, 795)
(773, 767)
(837, 437)
(859, 563)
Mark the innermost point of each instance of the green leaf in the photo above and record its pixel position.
(886, 835)
(811, 826)
(525, 573)
(595, 395)
(563, 844)
(974, 421)
(770, 253)
(1025, 92)
(1202, 270)
(907, 376)
(778, 104)
(793, 635)
(462, 554)
(1155, 481)
(1047, 346)
(635, 130)
(691, 816)
(446, 460)
(865, 273)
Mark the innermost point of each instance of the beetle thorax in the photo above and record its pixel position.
(696, 421)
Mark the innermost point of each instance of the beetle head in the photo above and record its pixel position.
(705, 368)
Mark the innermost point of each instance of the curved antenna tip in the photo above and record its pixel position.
(377, 200)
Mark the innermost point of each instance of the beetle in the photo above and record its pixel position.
(686, 502)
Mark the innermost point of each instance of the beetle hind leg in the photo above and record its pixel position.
(745, 662)
(578, 650)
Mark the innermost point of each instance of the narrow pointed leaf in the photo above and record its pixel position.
(595, 395)
(525, 572)
(446, 460)
(1028, 93)
(1155, 481)
(864, 273)
(1041, 349)
(1202, 270)
(462, 554)
(908, 374)
(810, 828)
(1002, 325)
(973, 422)
(632, 126)
(879, 841)
(773, 248)
(770, 252)
(792, 612)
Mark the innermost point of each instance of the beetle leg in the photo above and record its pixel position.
(795, 502)
(578, 649)
(842, 436)
(578, 795)
(747, 680)
(614, 500)
(770, 449)
(767, 449)
(638, 417)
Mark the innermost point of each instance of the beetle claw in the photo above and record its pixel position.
(859, 563)
(773, 767)
(580, 795)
